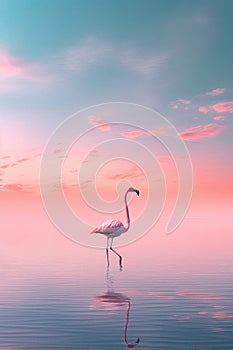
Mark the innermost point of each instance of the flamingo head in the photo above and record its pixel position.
(131, 189)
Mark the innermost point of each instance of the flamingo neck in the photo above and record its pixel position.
(127, 213)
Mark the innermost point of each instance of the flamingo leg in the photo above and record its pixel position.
(107, 251)
(120, 257)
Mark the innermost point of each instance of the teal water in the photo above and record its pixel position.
(90, 307)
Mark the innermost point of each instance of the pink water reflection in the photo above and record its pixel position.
(113, 301)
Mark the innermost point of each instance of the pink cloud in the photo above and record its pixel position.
(98, 123)
(132, 134)
(120, 176)
(5, 157)
(58, 151)
(223, 107)
(203, 109)
(219, 117)
(8, 66)
(17, 74)
(181, 103)
(94, 152)
(200, 131)
(5, 166)
(11, 187)
(216, 92)
(9, 165)
(133, 172)
(22, 160)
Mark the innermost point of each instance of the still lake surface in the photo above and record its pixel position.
(68, 305)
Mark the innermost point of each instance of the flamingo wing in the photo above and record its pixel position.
(109, 226)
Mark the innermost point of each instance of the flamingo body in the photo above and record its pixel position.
(110, 228)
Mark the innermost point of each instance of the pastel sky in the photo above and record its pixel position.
(57, 57)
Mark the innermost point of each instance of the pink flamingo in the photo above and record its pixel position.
(117, 300)
(114, 228)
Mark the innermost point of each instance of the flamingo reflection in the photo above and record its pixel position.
(112, 301)
(117, 301)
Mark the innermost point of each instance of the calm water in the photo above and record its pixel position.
(68, 305)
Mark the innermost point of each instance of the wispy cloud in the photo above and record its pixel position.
(9, 67)
(219, 117)
(16, 73)
(133, 172)
(98, 123)
(119, 176)
(137, 133)
(13, 187)
(93, 51)
(216, 92)
(132, 134)
(20, 174)
(58, 151)
(8, 165)
(146, 65)
(15, 163)
(18, 187)
(5, 157)
(223, 107)
(87, 52)
(94, 152)
(200, 131)
(22, 160)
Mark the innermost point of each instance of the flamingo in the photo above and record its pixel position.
(114, 228)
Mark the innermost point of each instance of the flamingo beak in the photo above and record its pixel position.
(137, 191)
